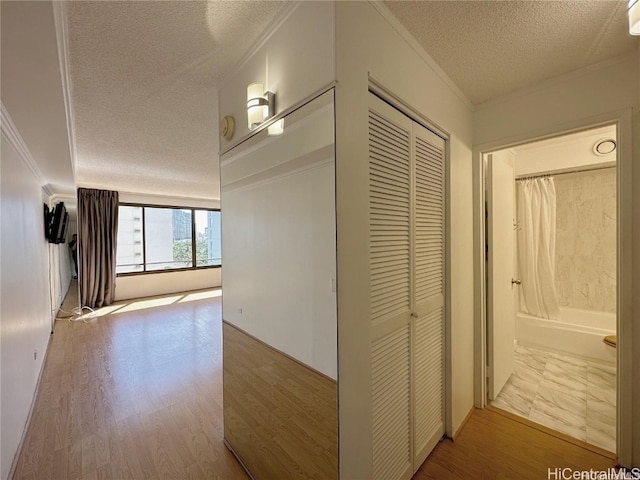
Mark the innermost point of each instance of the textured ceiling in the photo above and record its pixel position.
(144, 74)
(490, 48)
(143, 78)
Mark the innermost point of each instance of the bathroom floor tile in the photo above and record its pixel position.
(517, 396)
(603, 394)
(601, 412)
(600, 439)
(565, 376)
(561, 411)
(601, 422)
(602, 376)
(564, 393)
(568, 360)
(530, 357)
(527, 375)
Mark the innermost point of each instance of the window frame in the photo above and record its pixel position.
(144, 240)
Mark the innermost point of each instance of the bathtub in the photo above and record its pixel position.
(579, 333)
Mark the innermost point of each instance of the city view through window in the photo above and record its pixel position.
(160, 238)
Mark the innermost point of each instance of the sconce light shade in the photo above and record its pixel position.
(260, 105)
(276, 128)
(634, 17)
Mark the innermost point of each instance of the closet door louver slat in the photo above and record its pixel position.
(428, 382)
(429, 232)
(428, 335)
(406, 291)
(391, 412)
(389, 180)
(390, 286)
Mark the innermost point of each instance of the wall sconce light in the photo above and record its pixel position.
(634, 17)
(260, 105)
(276, 128)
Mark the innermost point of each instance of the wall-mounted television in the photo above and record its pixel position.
(56, 223)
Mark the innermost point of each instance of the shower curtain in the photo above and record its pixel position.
(536, 203)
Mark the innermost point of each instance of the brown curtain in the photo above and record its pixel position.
(97, 241)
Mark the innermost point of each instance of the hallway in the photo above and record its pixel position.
(137, 394)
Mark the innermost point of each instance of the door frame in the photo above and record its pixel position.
(622, 119)
(379, 89)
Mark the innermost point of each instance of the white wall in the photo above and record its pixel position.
(136, 286)
(370, 46)
(60, 272)
(565, 153)
(60, 268)
(147, 285)
(295, 61)
(555, 106)
(278, 234)
(73, 228)
(25, 303)
(593, 96)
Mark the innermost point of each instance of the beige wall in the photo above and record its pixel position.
(586, 240)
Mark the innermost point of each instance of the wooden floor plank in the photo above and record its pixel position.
(138, 394)
(111, 391)
(272, 403)
(494, 446)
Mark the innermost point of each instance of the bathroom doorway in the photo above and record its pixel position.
(551, 272)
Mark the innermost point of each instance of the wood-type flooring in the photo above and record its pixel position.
(137, 394)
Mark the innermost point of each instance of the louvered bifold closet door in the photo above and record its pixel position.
(428, 327)
(390, 213)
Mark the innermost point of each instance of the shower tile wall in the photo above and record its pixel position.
(586, 240)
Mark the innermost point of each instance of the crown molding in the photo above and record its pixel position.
(58, 197)
(419, 49)
(266, 34)
(62, 38)
(10, 131)
(551, 82)
(161, 199)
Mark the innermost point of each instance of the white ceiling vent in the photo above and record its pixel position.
(604, 147)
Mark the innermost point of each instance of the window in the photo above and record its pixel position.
(207, 238)
(154, 238)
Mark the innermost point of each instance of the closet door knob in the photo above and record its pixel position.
(517, 282)
(414, 315)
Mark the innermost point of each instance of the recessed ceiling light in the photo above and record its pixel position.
(604, 147)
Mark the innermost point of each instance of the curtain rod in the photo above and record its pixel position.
(541, 175)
